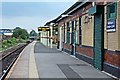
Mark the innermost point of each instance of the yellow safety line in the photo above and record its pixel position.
(33, 72)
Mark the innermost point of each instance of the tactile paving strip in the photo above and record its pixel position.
(69, 73)
(40, 48)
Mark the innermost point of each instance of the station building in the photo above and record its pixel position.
(5, 34)
(91, 32)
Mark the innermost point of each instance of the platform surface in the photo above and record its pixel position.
(40, 62)
(25, 67)
(52, 63)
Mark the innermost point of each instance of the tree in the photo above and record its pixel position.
(33, 33)
(20, 33)
(17, 28)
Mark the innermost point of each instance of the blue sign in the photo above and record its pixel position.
(111, 25)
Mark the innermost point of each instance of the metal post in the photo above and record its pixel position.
(51, 37)
(60, 46)
(41, 37)
(47, 39)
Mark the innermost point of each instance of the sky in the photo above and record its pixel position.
(30, 15)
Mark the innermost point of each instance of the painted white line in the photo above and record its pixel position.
(110, 75)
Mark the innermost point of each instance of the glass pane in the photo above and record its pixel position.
(111, 11)
(112, 8)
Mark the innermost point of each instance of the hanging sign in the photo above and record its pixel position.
(43, 29)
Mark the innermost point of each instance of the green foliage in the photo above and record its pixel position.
(20, 33)
(21, 40)
(19, 36)
(4, 44)
(14, 41)
(9, 43)
(33, 33)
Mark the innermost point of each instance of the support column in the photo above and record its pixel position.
(51, 37)
(60, 46)
(48, 38)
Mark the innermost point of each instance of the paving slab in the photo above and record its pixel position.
(25, 67)
(53, 64)
(21, 68)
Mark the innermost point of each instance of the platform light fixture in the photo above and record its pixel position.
(65, 15)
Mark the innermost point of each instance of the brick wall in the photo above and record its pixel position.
(85, 50)
(112, 57)
(112, 41)
(67, 46)
(87, 31)
(118, 12)
(110, 38)
(105, 32)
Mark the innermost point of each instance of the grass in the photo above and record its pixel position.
(10, 43)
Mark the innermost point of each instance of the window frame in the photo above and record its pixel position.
(68, 32)
(108, 11)
(80, 30)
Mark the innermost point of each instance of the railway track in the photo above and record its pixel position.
(8, 58)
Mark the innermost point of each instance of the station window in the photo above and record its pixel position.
(68, 32)
(80, 31)
(77, 31)
(64, 33)
(111, 11)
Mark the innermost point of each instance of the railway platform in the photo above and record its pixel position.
(24, 67)
(40, 62)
